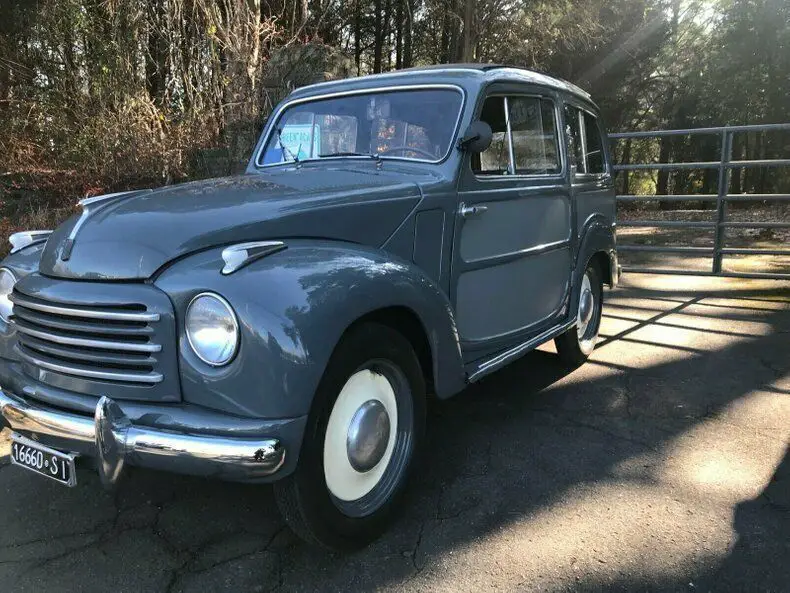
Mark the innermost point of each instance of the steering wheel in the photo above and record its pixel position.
(409, 149)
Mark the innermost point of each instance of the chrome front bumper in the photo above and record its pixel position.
(115, 442)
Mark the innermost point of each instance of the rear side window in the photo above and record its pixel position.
(534, 136)
(525, 137)
(585, 142)
(593, 144)
(574, 134)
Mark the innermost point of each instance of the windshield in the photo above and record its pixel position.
(410, 124)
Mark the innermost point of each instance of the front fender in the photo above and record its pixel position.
(293, 307)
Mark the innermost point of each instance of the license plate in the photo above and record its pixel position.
(47, 462)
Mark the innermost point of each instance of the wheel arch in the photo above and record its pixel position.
(406, 322)
(597, 245)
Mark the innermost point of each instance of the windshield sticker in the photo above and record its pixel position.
(297, 141)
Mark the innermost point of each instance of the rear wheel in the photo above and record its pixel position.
(362, 437)
(576, 345)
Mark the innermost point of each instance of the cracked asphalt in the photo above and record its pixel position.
(662, 464)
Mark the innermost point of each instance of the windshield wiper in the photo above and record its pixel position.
(286, 150)
(373, 155)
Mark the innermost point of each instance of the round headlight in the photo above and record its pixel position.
(7, 281)
(212, 329)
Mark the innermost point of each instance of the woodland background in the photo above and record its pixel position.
(105, 95)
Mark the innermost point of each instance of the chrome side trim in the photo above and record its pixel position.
(27, 238)
(238, 256)
(116, 442)
(147, 378)
(364, 91)
(526, 252)
(499, 360)
(85, 313)
(88, 342)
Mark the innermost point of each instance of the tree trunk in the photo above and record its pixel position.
(737, 154)
(378, 36)
(399, 34)
(626, 160)
(444, 57)
(407, 33)
(469, 16)
(357, 36)
(662, 186)
(156, 61)
(763, 174)
(385, 34)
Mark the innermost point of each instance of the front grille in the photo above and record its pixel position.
(106, 342)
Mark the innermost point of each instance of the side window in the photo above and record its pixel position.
(534, 136)
(495, 159)
(527, 122)
(593, 144)
(574, 134)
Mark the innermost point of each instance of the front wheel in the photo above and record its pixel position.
(575, 345)
(362, 437)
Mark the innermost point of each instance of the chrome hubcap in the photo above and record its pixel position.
(368, 436)
(586, 309)
(586, 306)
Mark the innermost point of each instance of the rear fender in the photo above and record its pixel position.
(597, 237)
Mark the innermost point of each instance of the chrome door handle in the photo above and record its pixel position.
(604, 180)
(467, 211)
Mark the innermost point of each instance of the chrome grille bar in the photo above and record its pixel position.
(87, 342)
(102, 314)
(109, 375)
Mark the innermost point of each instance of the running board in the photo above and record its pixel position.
(501, 359)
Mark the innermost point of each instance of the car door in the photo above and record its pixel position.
(512, 244)
(592, 182)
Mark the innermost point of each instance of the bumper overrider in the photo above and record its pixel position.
(115, 442)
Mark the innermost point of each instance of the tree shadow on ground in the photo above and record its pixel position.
(504, 451)
(519, 441)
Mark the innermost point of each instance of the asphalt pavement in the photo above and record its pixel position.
(660, 465)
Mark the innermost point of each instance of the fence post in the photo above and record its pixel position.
(721, 199)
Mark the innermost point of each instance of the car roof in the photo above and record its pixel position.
(445, 73)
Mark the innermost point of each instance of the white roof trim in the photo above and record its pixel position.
(498, 73)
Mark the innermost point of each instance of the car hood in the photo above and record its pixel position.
(132, 235)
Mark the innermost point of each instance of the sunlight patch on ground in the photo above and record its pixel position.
(658, 516)
(728, 456)
(595, 533)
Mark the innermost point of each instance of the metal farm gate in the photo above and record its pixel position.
(720, 224)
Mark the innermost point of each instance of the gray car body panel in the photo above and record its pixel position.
(297, 304)
(360, 236)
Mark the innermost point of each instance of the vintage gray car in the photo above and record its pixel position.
(395, 237)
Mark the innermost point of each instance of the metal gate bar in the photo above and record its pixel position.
(724, 166)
